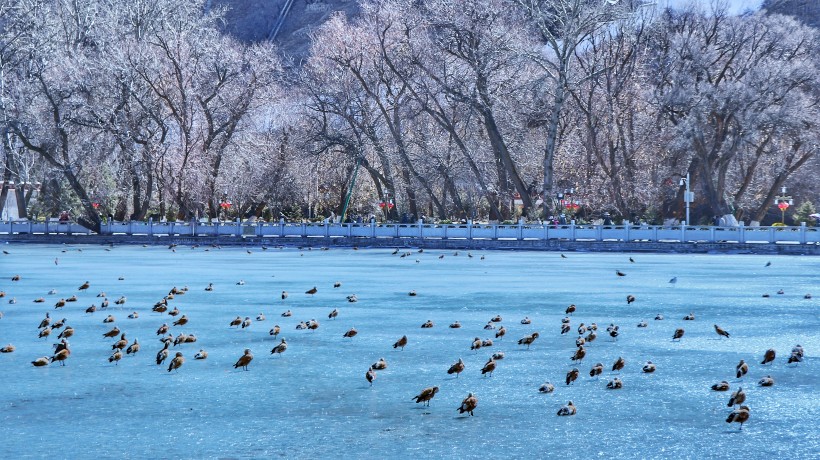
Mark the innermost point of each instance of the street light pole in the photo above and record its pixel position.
(687, 196)
(783, 202)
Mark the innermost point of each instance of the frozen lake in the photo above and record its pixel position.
(313, 401)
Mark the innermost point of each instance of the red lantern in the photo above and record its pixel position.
(225, 205)
(95, 205)
(783, 205)
(390, 205)
(381, 205)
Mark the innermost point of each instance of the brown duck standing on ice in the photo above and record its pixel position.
(133, 348)
(62, 353)
(797, 355)
(370, 375)
(742, 368)
(45, 322)
(678, 334)
(740, 415)
(177, 362)
(162, 355)
(468, 405)
(572, 376)
(279, 349)
(351, 332)
(426, 395)
(457, 368)
(737, 398)
(275, 330)
(183, 320)
(614, 331)
(489, 367)
(596, 370)
(112, 333)
(528, 339)
(67, 332)
(121, 343)
(401, 343)
(618, 365)
(115, 357)
(721, 332)
(245, 359)
(476, 344)
(769, 356)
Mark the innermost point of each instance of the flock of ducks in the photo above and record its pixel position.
(586, 335)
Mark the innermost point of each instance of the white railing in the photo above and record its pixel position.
(467, 231)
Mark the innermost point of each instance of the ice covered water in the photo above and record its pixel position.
(313, 401)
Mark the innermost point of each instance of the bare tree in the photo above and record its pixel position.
(726, 84)
(564, 26)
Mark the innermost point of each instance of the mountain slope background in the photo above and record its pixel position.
(255, 20)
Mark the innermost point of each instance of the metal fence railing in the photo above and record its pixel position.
(470, 231)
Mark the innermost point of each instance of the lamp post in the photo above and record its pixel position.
(688, 196)
(225, 205)
(783, 202)
(568, 202)
(386, 205)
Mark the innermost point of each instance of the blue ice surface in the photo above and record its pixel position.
(313, 401)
